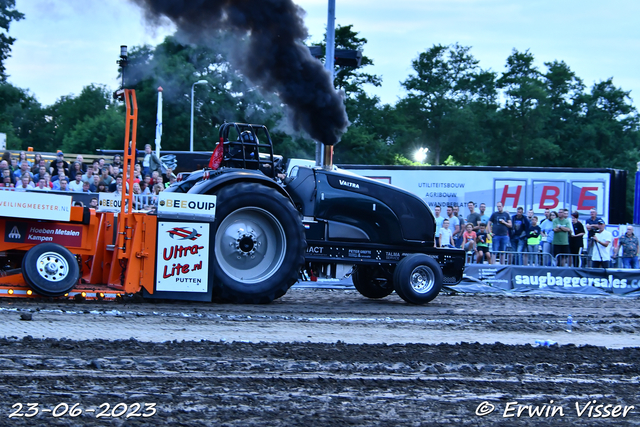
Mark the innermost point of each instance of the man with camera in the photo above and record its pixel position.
(591, 224)
(601, 256)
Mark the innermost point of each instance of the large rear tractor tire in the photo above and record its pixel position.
(259, 244)
(418, 279)
(50, 269)
(372, 282)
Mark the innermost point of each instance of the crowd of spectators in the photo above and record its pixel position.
(99, 176)
(520, 239)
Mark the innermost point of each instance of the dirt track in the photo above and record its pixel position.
(321, 357)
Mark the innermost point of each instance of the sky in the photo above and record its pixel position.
(63, 46)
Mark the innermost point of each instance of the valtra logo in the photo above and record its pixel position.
(183, 233)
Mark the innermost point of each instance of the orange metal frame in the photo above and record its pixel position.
(117, 251)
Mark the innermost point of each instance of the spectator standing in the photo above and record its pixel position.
(519, 228)
(457, 237)
(474, 217)
(561, 231)
(499, 224)
(483, 216)
(601, 251)
(77, 184)
(534, 237)
(547, 233)
(630, 248)
(454, 222)
(576, 239)
(150, 162)
(446, 235)
(591, 224)
(439, 220)
(530, 215)
(54, 163)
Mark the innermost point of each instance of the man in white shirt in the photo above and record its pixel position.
(601, 255)
(42, 185)
(25, 183)
(77, 184)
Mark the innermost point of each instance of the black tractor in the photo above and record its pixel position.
(271, 228)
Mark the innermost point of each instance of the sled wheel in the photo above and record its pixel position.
(259, 244)
(417, 279)
(372, 282)
(50, 269)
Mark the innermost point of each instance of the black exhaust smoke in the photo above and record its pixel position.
(275, 59)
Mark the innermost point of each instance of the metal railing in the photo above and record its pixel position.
(538, 259)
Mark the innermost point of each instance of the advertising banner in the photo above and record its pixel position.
(537, 190)
(109, 202)
(183, 257)
(42, 232)
(617, 281)
(187, 205)
(35, 205)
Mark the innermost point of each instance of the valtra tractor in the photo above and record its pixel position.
(240, 231)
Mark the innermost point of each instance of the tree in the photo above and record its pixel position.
(346, 78)
(21, 118)
(104, 131)
(8, 13)
(444, 101)
(175, 67)
(522, 141)
(565, 106)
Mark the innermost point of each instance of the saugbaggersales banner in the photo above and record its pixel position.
(36, 205)
(183, 257)
(617, 281)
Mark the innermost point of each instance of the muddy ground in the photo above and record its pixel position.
(322, 358)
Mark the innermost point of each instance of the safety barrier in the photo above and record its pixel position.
(516, 258)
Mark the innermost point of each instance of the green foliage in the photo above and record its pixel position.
(351, 79)
(8, 13)
(21, 117)
(105, 131)
(447, 99)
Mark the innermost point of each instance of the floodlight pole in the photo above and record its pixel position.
(328, 65)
